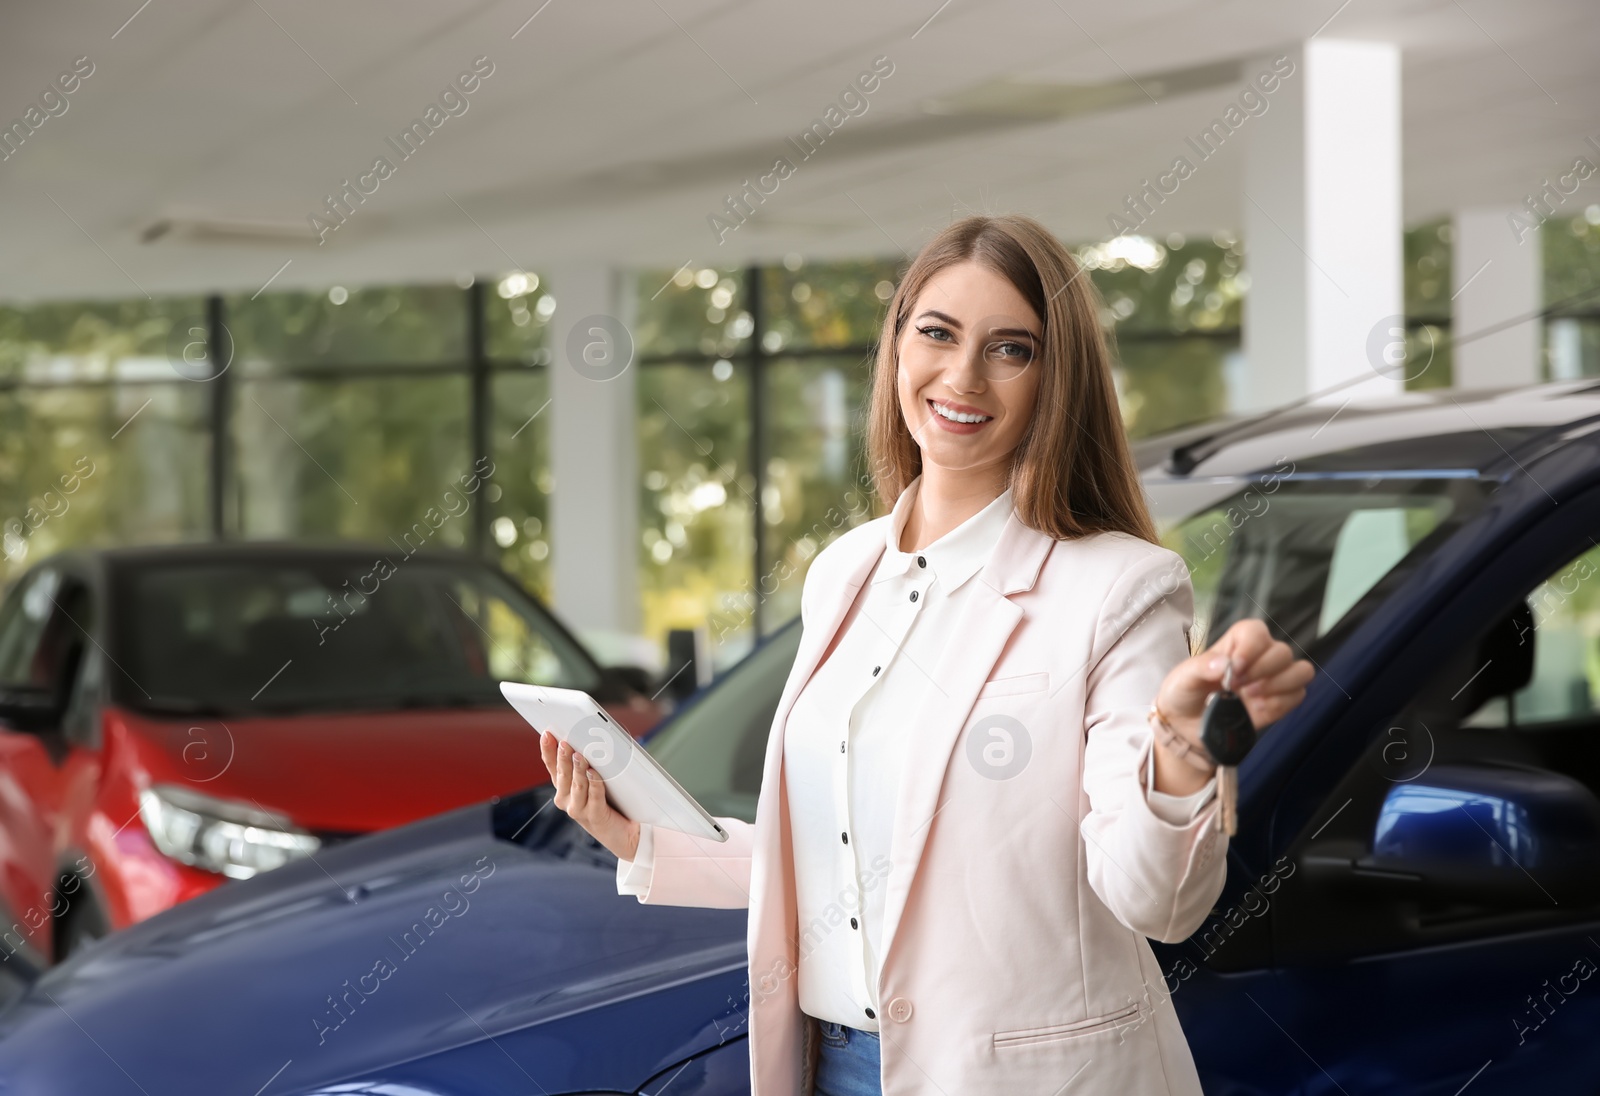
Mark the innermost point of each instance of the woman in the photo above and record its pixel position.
(971, 814)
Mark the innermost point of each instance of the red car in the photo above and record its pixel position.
(177, 716)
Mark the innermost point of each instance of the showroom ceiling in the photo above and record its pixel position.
(208, 133)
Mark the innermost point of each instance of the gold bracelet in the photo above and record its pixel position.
(1192, 754)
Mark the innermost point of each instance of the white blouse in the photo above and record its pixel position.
(844, 746)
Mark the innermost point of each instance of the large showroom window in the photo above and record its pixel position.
(510, 390)
(750, 392)
(100, 440)
(350, 411)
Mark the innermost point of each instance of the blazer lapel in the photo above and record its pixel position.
(974, 646)
(832, 605)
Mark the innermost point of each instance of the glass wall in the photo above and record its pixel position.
(351, 411)
(516, 312)
(360, 459)
(102, 441)
(518, 495)
(1571, 255)
(1173, 308)
(1572, 284)
(817, 482)
(751, 388)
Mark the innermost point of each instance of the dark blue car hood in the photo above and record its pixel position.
(382, 951)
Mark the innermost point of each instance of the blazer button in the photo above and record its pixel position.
(900, 1010)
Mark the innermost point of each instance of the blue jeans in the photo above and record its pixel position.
(848, 1063)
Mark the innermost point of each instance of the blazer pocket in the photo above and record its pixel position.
(1025, 1036)
(1009, 686)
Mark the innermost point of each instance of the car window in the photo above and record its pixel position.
(268, 635)
(1305, 554)
(1370, 542)
(717, 746)
(1510, 698)
(1564, 627)
(24, 618)
(518, 647)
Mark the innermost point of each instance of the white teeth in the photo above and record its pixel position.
(957, 416)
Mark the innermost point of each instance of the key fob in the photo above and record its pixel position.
(1226, 730)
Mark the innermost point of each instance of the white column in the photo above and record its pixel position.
(1494, 279)
(1322, 224)
(593, 451)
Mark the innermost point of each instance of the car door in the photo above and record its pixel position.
(43, 640)
(1437, 927)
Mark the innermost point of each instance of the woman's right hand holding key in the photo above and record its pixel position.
(582, 794)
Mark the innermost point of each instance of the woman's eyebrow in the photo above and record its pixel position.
(1014, 331)
(1003, 332)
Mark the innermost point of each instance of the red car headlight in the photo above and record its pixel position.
(233, 839)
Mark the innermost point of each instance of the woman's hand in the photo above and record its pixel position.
(1266, 675)
(582, 794)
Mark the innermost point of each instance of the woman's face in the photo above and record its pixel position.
(968, 377)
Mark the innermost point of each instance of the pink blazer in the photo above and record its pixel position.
(1020, 894)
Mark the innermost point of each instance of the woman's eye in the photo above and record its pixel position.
(933, 331)
(1018, 351)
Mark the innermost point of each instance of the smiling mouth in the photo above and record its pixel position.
(957, 416)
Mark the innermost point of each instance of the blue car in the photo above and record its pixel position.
(1413, 901)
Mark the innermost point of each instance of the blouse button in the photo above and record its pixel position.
(841, 747)
(921, 562)
(875, 670)
(845, 838)
(854, 924)
(871, 1015)
(913, 595)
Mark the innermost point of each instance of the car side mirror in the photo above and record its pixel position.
(30, 709)
(1489, 834)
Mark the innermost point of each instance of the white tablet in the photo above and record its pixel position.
(636, 784)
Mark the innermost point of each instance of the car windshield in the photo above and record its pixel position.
(716, 747)
(1312, 555)
(267, 635)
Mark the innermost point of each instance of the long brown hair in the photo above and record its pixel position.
(1073, 472)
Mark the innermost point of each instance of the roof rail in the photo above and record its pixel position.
(1185, 458)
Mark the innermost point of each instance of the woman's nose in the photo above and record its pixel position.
(965, 373)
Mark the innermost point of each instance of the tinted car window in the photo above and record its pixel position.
(1305, 554)
(1508, 698)
(27, 611)
(1563, 625)
(296, 635)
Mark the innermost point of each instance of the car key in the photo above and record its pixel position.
(1227, 733)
